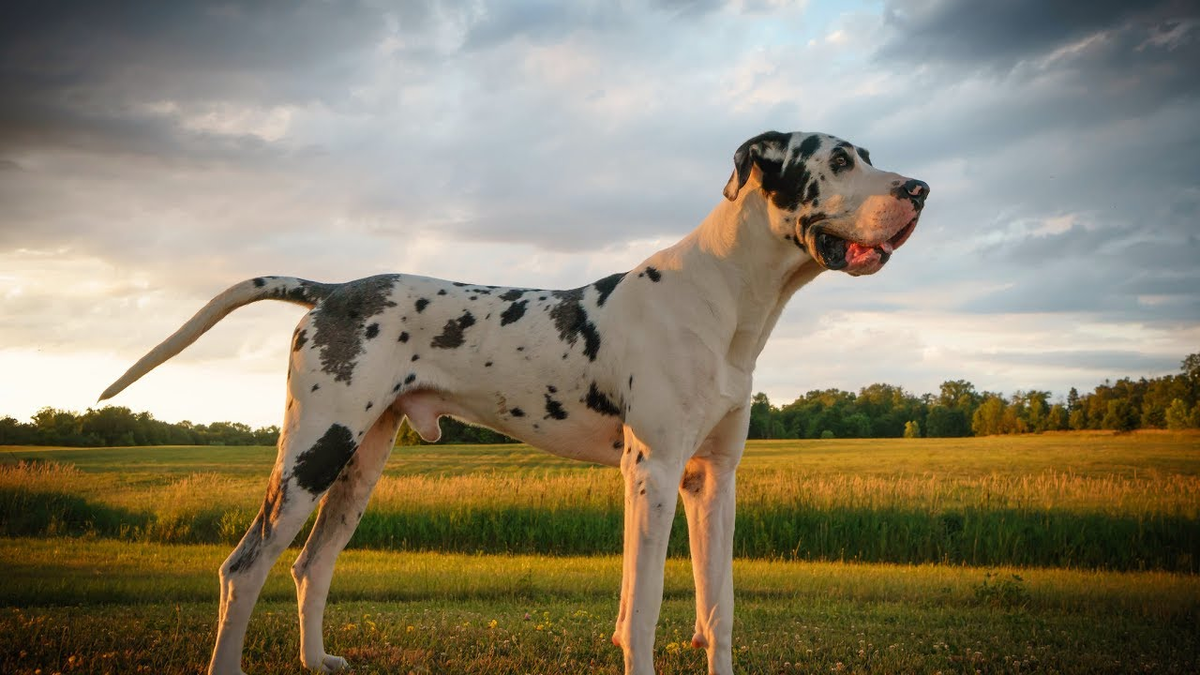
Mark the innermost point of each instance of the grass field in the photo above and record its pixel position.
(1094, 501)
(1081, 559)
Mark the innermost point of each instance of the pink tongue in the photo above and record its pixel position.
(857, 254)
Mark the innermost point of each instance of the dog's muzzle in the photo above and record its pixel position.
(839, 254)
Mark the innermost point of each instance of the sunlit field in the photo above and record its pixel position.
(1054, 553)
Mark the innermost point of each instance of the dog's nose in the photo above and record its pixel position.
(916, 190)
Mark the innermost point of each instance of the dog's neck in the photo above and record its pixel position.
(742, 272)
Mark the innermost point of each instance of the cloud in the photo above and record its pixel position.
(155, 153)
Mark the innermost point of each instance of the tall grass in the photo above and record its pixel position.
(1103, 515)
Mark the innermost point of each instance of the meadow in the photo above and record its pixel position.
(1058, 553)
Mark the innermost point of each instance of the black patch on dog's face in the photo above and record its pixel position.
(301, 338)
(511, 295)
(786, 184)
(404, 336)
(654, 274)
(372, 331)
(412, 377)
(571, 320)
(441, 291)
(554, 409)
(516, 412)
(600, 402)
(421, 304)
(259, 282)
(339, 319)
(606, 285)
(864, 155)
(514, 312)
(452, 332)
(317, 467)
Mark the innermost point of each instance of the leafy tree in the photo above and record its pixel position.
(912, 429)
(761, 413)
(943, 422)
(988, 419)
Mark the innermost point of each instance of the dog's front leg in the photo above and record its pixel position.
(651, 472)
(709, 493)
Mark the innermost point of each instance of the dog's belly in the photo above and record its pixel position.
(574, 432)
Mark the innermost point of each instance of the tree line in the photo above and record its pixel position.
(959, 409)
(877, 411)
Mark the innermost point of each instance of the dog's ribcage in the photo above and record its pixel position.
(528, 363)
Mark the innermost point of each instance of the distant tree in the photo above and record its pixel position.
(1056, 419)
(762, 423)
(1077, 419)
(1120, 416)
(943, 422)
(988, 419)
(912, 429)
(1179, 417)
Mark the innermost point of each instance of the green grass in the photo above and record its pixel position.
(96, 606)
(1061, 500)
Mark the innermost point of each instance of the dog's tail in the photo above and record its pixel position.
(287, 289)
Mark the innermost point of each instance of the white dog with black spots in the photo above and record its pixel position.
(648, 370)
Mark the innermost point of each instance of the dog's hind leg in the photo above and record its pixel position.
(341, 509)
(312, 451)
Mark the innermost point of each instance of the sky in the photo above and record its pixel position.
(153, 153)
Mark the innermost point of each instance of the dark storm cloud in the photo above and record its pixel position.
(80, 74)
(999, 35)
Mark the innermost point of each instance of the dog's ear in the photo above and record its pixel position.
(766, 150)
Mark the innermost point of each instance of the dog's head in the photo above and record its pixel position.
(824, 195)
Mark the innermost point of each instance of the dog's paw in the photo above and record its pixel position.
(327, 664)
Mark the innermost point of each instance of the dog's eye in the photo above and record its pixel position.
(840, 160)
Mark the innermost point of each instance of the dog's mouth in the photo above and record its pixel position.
(839, 254)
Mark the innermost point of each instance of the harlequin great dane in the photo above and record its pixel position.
(649, 370)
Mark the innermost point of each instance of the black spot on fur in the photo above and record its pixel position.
(372, 331)
(315, 387)
(517, 412)
(866, 156)
(552, 389)
(441, 291)
(317, 467)
(370, 405)
(301, 338)
(514, 313)
(571, 320)
(511, 295)
(814, 191)
(654, 274)
(410, 379)
(404, 336)
(421, 304)
(606, 285)
(452, 332)
(640, 457)
(339, 319)
(617, 445)
(488, 364)
(460, 284)
(259, 282)
(396, 388)
(415, 357)
(600, 402)
(692, 482)
(631, 380)
(807, 147)
(554, 409)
